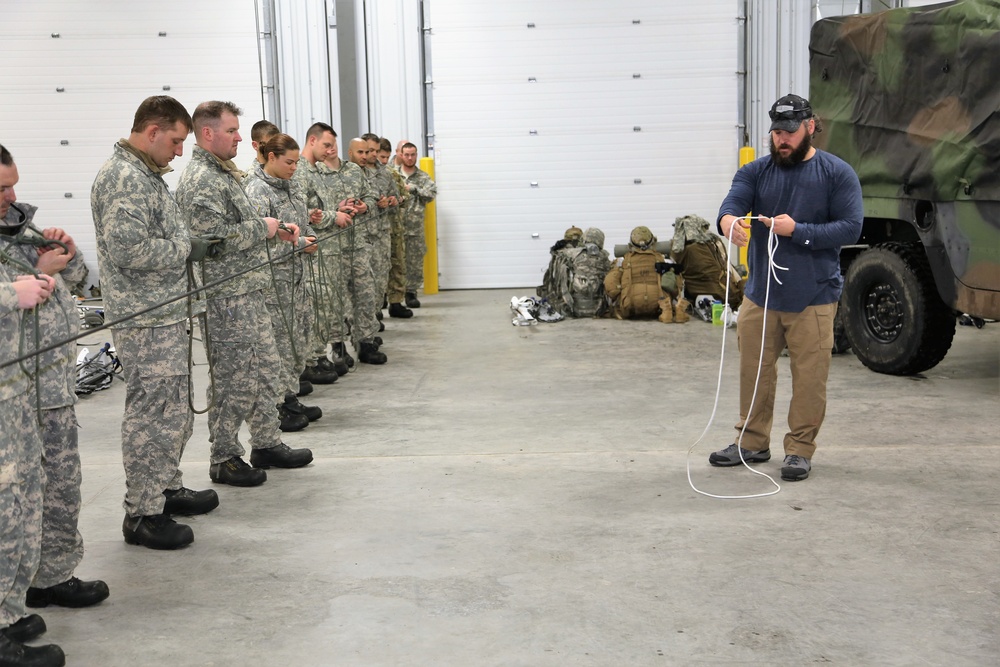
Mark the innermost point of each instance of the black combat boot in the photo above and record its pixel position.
(340, 351)
(399, 310)
(25, 629)
(325, 365)
(16, 654)
(281, 456)
(236, 472)
(379, 315)
(72, 593)
(411, 300)
(341, 366)
(289, 421)
(293, 405)
(369, 354)
(316, 375)
(305, 388)
(189, 502)
(157, 531)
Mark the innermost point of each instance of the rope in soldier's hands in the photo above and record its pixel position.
(191, 292)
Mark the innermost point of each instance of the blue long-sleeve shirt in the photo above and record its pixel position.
(823, 196)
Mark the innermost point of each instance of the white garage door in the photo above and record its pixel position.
(586, 113)
(74, 73)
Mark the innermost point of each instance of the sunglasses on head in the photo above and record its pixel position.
(788, 112)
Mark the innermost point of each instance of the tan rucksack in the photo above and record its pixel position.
(634, 285)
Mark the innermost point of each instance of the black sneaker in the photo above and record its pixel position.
(369, 354)
(281, 456)
(157, 531)
(411, 300)
(293, 406)
(289, 421)
(189, 502)
(730, 457)
(305, 387)
(18, 655)
(399, 310)
(72, 593)
(27, 628)
(316, 375)
(236, 472)
(795, 469)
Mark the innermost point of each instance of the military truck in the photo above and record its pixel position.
(911, 99)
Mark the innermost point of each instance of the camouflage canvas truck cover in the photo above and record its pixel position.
(911, 99)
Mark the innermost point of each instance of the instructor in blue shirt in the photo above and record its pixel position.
(806, 204)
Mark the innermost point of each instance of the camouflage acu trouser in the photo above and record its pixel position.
(246, 374)
(158, 421)
(291, 322)
(416, 248)
(361, 284)
(20, 505)
(331, 293)
(397, 260)
(62, 544)
(381, 241)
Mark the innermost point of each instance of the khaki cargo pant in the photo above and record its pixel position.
(809, 337)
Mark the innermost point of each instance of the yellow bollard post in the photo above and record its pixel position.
(747, 155)
(430, 235)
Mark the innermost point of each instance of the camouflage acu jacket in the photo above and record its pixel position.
(382, 182)
(348, 182)
(424, 192)
(397, 213)
(13, 382)
(214, 204)
(57, 318)
(284, 200)
(142, 242)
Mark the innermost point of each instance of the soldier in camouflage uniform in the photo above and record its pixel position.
(54, 395)
(21, 473)
(329, 286)
(396, 287)
(272, 192)
(380, 233)
(422, 191)
(142, 247)
(358, 263)
(246, 366)
(318, 369)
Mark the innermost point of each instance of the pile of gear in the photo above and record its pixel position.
(651, 279)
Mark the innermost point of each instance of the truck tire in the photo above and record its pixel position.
(895, 320)
(841, 343)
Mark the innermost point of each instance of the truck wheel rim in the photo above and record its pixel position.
(883, 313)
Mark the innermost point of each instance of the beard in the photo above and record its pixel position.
(795, 157)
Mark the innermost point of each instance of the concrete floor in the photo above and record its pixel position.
(501, 495)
